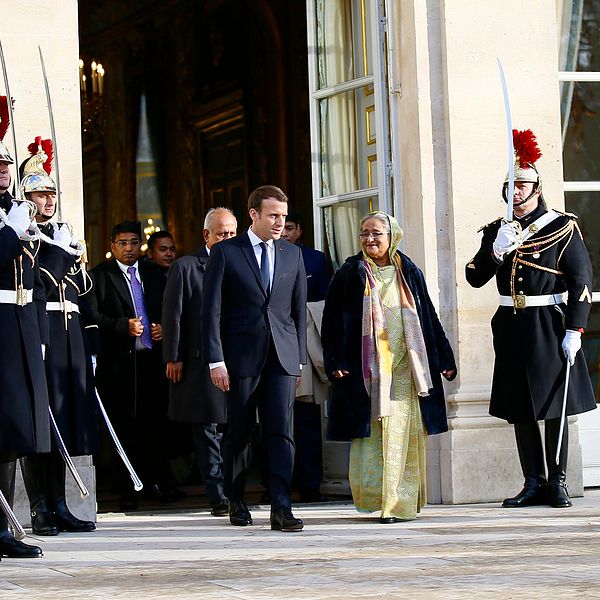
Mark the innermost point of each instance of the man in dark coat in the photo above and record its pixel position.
(254, 339)
(68, 366)
(539, 260)
(308, 464)
(192, 396)
(25, 425)
(128, 313)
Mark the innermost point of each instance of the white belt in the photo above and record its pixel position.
(522, 301)
(66, 306)
(10, 297)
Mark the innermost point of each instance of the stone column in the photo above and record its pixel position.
(54, 27)
(453, 151)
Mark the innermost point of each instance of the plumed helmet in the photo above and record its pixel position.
(35, 171)
(4, 123)
(527, 152)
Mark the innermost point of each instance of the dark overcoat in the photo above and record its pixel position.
(194, 399)
(68, 365)
(349, 408)
(24, 425)
(529, 369)
(129, 381)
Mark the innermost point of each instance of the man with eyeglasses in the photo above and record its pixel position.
(193, 398)
(128, 297)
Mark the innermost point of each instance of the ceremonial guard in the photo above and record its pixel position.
(544, 278)
(24, 426)
(68, 365)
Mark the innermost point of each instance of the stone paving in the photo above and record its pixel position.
(469, 551)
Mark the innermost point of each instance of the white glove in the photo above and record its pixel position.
(18, 218)
(94, 363)
(571, 345)
(64, 238)
(507, 239)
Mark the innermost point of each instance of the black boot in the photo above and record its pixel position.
(558, 494)
(9, 546)
(35, 471)
(531, 456)
(64, 518)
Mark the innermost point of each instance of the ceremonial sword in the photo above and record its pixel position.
(511, 150)
(18, 530)
(52, 135)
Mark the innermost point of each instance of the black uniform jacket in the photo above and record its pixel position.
(125, 380)
(341, 334)
(68, 366)
(529, 370)
(25, 425)
(194, 399)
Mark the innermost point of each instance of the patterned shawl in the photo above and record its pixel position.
(376, 352)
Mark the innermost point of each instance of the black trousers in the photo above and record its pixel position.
(207, 442)
(272, 393)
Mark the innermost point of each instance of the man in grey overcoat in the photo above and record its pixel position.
(192, 396)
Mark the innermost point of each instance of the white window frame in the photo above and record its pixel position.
(581, 186)
(383, 191)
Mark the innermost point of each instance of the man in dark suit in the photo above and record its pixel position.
(193, 398)
(254, 339)
(308, 467)
(128, 297)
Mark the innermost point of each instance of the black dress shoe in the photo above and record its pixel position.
(220, 508)
(558, 496)
(528, 496)
(43, 523)
(67, 521)
(13, 548)
(239, 514)
(388, 520)
(282, 519)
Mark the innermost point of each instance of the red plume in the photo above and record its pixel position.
(526, 147)
(48, 151)
(4, 114)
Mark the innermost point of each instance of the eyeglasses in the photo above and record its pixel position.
(376, 235)
(125, 243)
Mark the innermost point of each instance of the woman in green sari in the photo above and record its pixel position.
(384, 351)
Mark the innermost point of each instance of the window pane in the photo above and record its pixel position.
(341, 223)
(582, 141)
(586, 205)
(348, 142)
(343, 40)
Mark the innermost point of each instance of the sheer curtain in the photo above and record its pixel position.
(569, 17)
(338, 126)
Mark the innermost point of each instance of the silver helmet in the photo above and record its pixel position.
(5, 156)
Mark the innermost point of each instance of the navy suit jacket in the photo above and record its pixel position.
(318, 273)
(239, 319)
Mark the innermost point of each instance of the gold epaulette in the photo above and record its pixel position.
(488, 224)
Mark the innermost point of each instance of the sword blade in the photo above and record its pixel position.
(12, 123)
(511, 150)
(18, 530)
(563, 412)
(52, 135)
(67, 457)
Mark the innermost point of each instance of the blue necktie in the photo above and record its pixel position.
(264, 267)
(140, 307)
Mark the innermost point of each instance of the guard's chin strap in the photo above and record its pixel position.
(536, 186)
